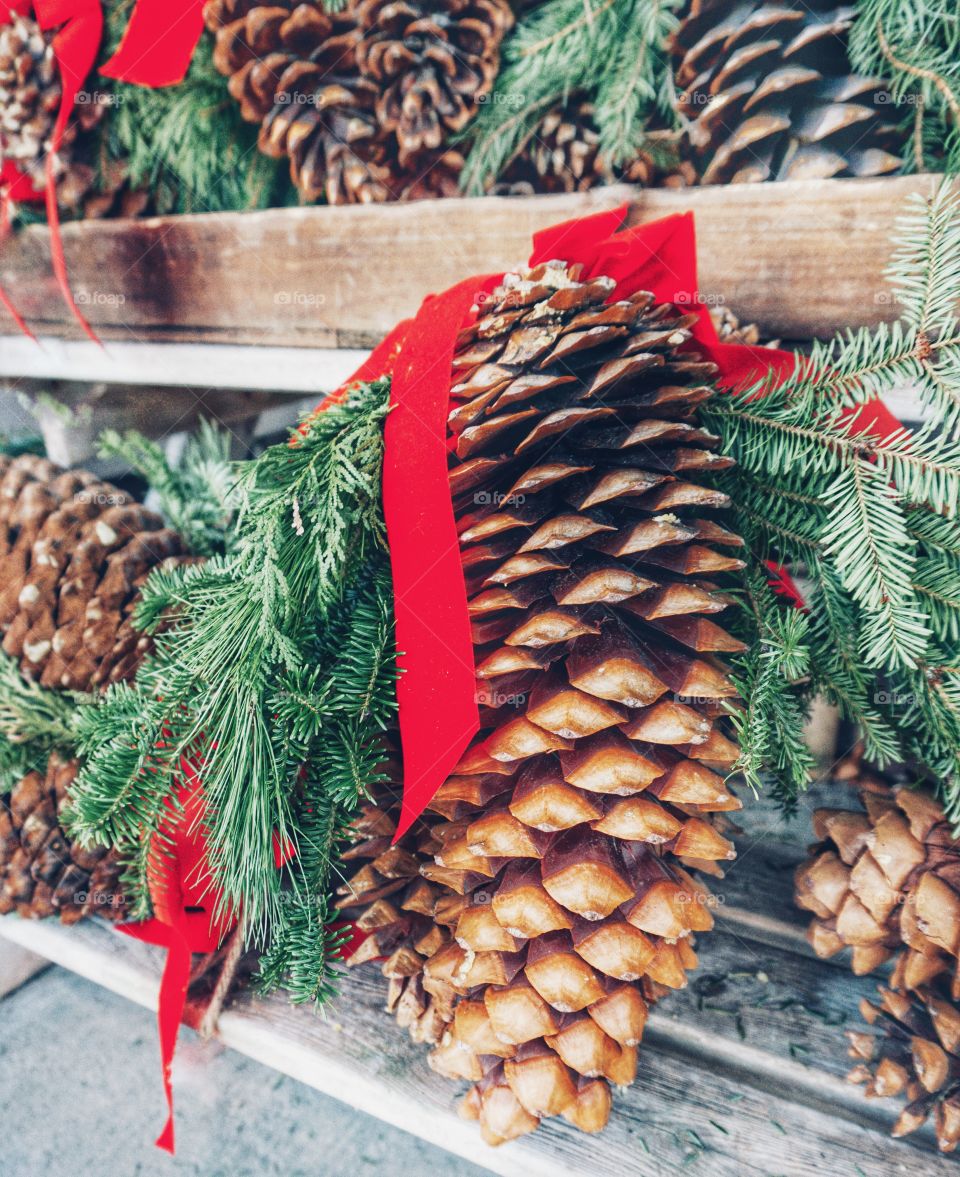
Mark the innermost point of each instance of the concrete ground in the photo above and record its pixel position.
(80, 1096)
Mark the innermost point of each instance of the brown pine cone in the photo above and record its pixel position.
(293, 68)
(767, 92)
(558, 903)
(41, 872)
(914, 1053)
(886, 881)
(29, 96)
(74, 552)
(432, 64)
(560, 155)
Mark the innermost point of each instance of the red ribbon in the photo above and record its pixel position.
(75, 46)
(158, 43)
(184, 898)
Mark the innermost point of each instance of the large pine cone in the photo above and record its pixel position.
(432, 64)
(914, 1052)
(558, 902)
(769, 93)
(41, 872)
(886, 881)
(74, 552)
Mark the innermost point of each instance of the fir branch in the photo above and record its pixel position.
(915, 48)
(612, 51)
(198, 495)
(34, 722)
(273, 667)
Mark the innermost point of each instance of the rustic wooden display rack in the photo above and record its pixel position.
(742, 1072)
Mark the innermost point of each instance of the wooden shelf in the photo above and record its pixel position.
(801, 259)
(741, 1074)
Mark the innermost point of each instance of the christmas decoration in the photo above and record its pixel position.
(561, 155)
(884, 881)
(915, 1052)
(41, 872)
(603, 341)
(591, 579)
(915, 48)
(767, 93)
(364, 102)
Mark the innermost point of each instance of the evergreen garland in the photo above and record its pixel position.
(614, 51)
(873, 524)
(275, 677)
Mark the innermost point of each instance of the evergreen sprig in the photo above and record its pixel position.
(197, 494)
(915, 47)
(34, 722)
(871, 523)
(187, 143)
(612, 51)
(277, 671)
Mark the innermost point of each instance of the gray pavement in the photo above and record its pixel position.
(80, 1096)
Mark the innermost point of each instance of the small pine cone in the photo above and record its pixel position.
(913, 1053)
(560, 155)
(885, 881)
(74, 553)
(562, 902)
(767, 92)
(41, 872)
(431, 63)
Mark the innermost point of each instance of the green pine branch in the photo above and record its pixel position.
(197, 495)
(611, 51)
(34, 722)
(274, 666)
(915, 48)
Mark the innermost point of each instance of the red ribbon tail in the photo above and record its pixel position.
(56, 254)
(173, 998)
(5, 300)
(158, 43)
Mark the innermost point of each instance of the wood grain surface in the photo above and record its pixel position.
(800, 259)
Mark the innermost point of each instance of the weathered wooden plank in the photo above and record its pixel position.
(17, 966)
(705, 1097)
(800, 259)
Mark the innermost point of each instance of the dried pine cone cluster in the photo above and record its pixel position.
(365, 101)
(545, 898)
(41, 872)
(884, 882)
